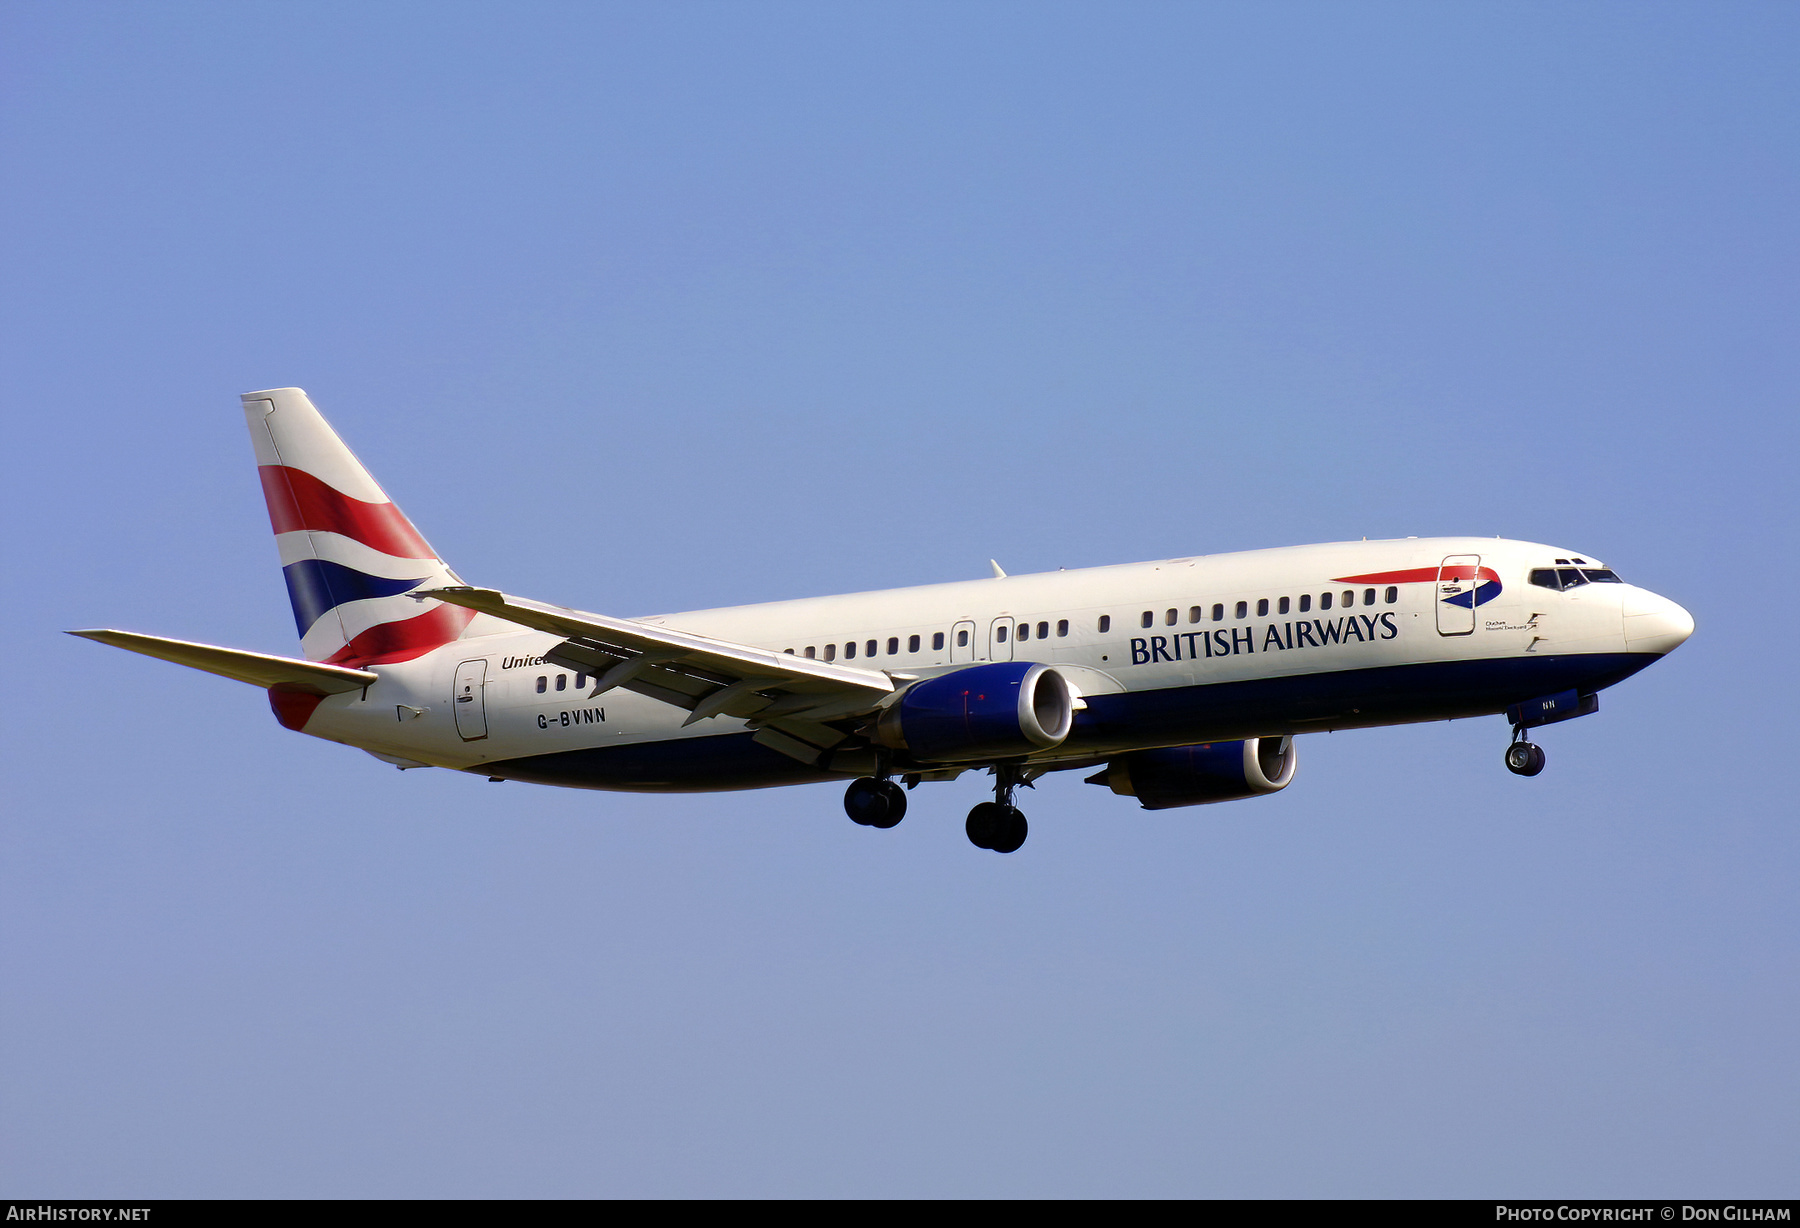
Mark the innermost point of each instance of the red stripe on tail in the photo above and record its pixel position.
(298, 500)
(387, 643)
(292, 706)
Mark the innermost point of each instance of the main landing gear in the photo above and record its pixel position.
(995, 825)
(998, 824)
(1522, 757)
(875, 803)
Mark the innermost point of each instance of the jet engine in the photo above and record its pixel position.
(1193, 775)
(999, 711)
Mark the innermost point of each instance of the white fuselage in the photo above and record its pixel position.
(1162, 653)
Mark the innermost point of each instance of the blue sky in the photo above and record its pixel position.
(654, 307)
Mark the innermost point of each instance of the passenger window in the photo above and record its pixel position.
(912, 643)
(1243, 609)
(893, 645)
(1024, 631)
(580, 681)
(999, 634)
(1149, 619)
(1062, 626)
(1169, 618)
(1305, 602)
(789, 651)
(1262, 607)
(962, 638)
(869, 649)
(543, 684)
(831, 652)
(1194, 613)
(562, 682)
(1349, 597)
(937, 641)
(1105, 623)
(1324, 601)
(850, 651)
(1282, 606)
(1043, 631)
(1368, 596)
(810, 655)
(1392, 595)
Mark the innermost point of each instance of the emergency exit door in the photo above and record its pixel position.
(962, 642)
(470, 701)
(1000, 639)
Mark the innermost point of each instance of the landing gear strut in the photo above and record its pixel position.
(875, 803)
(1522, 757)
(998, 825)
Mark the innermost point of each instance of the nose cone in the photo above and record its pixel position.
(1654, 624)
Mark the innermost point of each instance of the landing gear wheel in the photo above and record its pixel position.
(1524, 759)
(866, 803)
(984, 824)
(896, 805)
(993, 826)
(1011, 833)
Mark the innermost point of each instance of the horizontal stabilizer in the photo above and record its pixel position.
(256, 668)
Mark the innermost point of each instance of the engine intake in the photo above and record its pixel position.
(1195, 775)
(998, 711)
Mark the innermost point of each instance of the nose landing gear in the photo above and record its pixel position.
(999, 825)
(875, 803)
(1522, 757)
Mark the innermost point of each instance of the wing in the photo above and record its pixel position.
(787, 699)
(256, 668)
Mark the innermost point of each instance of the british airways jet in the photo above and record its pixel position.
(1176, 682)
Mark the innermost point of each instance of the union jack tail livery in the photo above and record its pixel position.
(350, 557)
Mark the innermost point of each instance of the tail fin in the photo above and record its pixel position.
(349, 555)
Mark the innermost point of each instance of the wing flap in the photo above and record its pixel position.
(706, 676)
(256, 668)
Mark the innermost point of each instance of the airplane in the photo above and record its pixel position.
(1182, 681)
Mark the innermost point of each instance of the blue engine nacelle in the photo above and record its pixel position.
(1194, 775)
(998, 711)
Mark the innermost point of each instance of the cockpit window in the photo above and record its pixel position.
(1564, 578)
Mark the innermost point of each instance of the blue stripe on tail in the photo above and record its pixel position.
(316, 587)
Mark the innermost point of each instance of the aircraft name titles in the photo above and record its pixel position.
(1225, 642)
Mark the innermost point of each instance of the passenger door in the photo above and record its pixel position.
(962, 642)
(1458, 576)
(469, 700)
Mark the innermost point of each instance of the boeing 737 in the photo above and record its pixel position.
(1175, 683)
